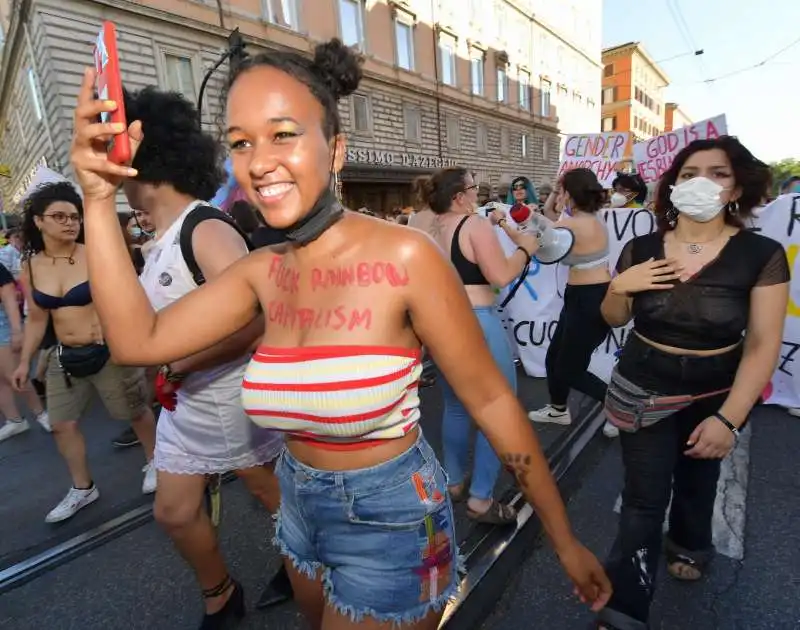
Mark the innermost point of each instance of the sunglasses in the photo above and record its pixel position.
(518, 187)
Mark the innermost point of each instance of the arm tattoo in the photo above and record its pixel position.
(518, 464)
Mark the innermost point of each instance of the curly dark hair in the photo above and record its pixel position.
(751, 175)
(175, 150)
(440, 188)
(584, 188)
(333, 73)
(35, 205)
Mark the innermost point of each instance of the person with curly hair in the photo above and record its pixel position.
(203, 428)
(708, 300)
(630, 191)
(366, 525)
(56, 285)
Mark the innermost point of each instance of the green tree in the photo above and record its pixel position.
(783, 170)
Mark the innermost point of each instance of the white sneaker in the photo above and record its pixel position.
(150, 478)
(44, 421)
(610, 431)
(75, 500)
(548, 414)
(12, 428)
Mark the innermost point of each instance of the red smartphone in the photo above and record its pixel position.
(109, 87)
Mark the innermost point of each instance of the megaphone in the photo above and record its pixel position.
(555, 243)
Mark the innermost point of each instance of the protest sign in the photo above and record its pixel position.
(654, 156)
(780, 220)
(532, 315)
(603, 153)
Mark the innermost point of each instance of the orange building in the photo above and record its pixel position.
(633, 93)
(675, 117)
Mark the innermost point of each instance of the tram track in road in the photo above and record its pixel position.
(491, 554)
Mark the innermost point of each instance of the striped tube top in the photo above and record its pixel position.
(336, 397)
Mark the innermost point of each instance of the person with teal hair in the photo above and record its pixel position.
(522, 191)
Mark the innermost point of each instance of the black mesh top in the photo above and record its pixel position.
(711, 309)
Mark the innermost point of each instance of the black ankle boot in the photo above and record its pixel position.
(233, 608)
(278, 591)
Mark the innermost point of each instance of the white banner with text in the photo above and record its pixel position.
(532, 315)
(781, 220)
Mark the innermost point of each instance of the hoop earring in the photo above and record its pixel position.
(733, 208)
(671, 216)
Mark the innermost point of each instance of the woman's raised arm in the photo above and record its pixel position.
(136, 334)
(438, 305)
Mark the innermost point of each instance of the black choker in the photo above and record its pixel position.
(324, 214)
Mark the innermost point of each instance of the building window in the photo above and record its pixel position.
(502, 84)
(180, 75)
(413, 124)
(525, 91)
(545, 102)
(482, 138)
(404, 39)
(476, 75)
(447, 57)
(362, 116)
(504, 141)
(608, 71)
(609, 95)
(351, 22)
(280, 12)
(524, 145)
(635, 122)
(36, 98)
(453, 133)
(609, 124)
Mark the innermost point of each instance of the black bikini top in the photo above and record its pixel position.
(469, 272)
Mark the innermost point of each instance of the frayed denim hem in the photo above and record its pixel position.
(398, 619)
(307, 568)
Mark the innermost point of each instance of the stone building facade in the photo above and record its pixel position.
(446, 82)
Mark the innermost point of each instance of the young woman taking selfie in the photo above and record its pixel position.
(366, 524)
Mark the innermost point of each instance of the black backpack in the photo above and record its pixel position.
(200, 213)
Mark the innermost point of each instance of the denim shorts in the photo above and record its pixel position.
(381, 538)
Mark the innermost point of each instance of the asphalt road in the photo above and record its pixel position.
(138, 581)
(760, 592)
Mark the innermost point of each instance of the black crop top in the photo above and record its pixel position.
(710, 310)
(468, 271)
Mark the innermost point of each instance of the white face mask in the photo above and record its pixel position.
(698, 198)
(618, 200)
(135, 232)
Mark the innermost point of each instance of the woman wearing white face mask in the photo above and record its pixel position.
(708, 301)
(630, 191)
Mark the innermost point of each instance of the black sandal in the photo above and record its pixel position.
(463, 494)
(234, 607)
(684, 568)
(497, 514)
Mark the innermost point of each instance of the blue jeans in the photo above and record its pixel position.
(382, 538)
(456, 427)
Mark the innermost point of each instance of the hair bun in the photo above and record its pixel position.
(339, 66)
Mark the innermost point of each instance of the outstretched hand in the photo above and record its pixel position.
(592, 585)
(98, 176)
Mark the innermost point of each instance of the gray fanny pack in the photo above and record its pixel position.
(630, 408)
